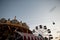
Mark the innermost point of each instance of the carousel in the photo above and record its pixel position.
(15, 30)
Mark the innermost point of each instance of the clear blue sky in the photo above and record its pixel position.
(33, 12)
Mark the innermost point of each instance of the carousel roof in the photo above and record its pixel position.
(13, 22)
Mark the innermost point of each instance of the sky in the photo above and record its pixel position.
(33, 12)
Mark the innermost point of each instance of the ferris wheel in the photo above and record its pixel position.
(42, 31)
